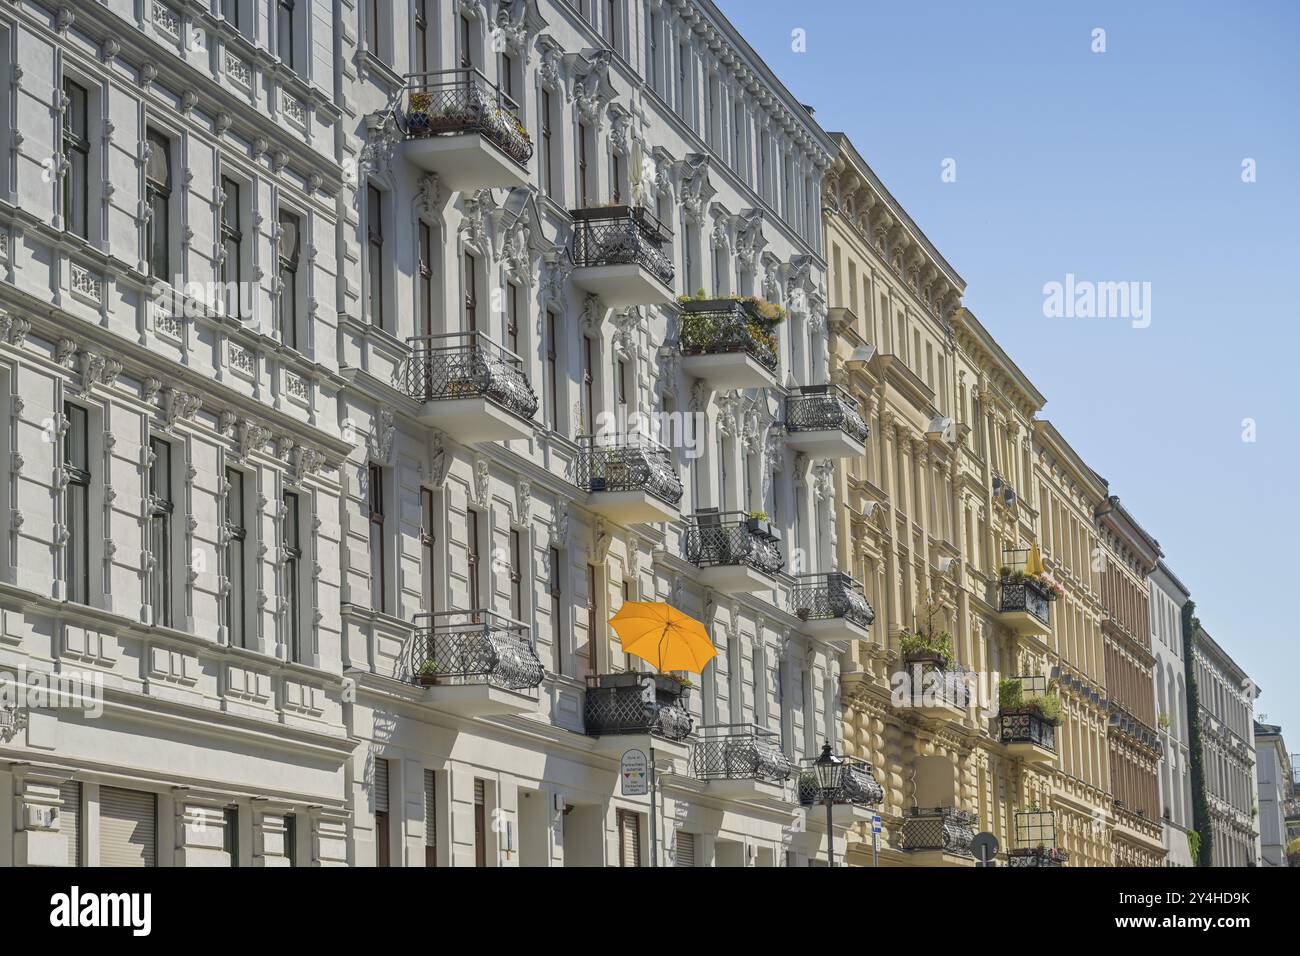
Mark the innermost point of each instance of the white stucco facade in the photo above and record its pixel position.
(1168, 595)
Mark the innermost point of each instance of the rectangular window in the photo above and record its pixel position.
(469, 272)
(76, 462)
(422, 35)
(585, 197)
(236, 536)
(76, 153)
(232, 235)
(587, 659)
(128, 828)
(588, 388)
(375, 241)
(378, 581)
(381, 812)
(616, 177)
(611, 22)
(652, 57)
(160, 508)
(230, 10)
(629, 838)
(289, 252)
(557, 624)
(292, 569)
(426, 290)
(552, 374)
(427, 542)
(291, 838)
(480, 823)
(430, 819)
(512, 317)
(472, 558)
(284, 32)
(548, 157)
(230, 834)
(374, 27)
(516, 576)
(466, 46)
(70, 820)
(158, 192)
(620, 380)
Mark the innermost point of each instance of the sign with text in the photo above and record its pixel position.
(634, 771)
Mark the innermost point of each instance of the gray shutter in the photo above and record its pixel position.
(685, 849)
(381, 785)
(629, 839)
(70, 819)
(430, 809)
(128, 823)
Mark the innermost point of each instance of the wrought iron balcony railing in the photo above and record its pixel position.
(936, 683)
(1037, 856)
(832, 595)
(634, 463)
(1025, 595)
(1026, 726)
(473, 647)
(729, 539)
(739, 752)
(450, 102)
(468, 365)
(823, 407)
(622, 235)
(938, 828)
(632, 703)
(718, 326)
(858, 785)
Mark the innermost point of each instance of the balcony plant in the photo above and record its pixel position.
(427, 675)
(927, 642)
(417, 113)
(1012, 699)
(1051, 590)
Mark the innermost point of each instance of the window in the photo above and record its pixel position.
(290, 244)
(232, 236)
(230, 834)
(430, 819)
(284, 32)
(292, 567)
(587, 659)
(557, 625)
(629, 838)
(427, 543)
(620, 380)
(236, 536)
(506, 71)
(422, 35)
(512, 317)
(374, 27)
(585, 197)
(378, 582)
(652, 58)
(70, 820)
(552, 374)
(480, 823)
(469, 281)
(616, 177)
(516, 576)
(375, 240)
(426, 290)
(76, 517)
(158, 193)
(548, 157)
(128, 828)
(588, 388)
(611, 22)
(76, 153)
(160, 524)
(291, 838)
(466, 45)
(472, 558)
(381, 812)
(681, 81)
(230, 10)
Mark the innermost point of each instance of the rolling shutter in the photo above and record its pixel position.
(70, 819)
(430, 819)
(480, 823)
(685, 849)
(128, 827)
(382, 839)
(629, 839)
(381, 785)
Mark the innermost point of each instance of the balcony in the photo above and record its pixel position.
(475, 663)
(632, 479)
(859, 793)
(1028, 711)
(938, 836)
(471, 388)
(1036, 841)
(831, 606)
(457, 124)
(735, 553)
(935, 688)
(741, 762)
(623, 255)
(729, 343)
(630, 705)
(824, 421)
(1024, 605)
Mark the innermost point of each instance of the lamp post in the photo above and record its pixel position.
(829, 767)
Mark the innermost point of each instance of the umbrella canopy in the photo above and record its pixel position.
(1034, 563)
(663, 636)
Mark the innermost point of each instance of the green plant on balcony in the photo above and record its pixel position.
(1012, 697)
(427, 672)
(1194, 844)
(926, 640)
(1164, 721)
(1051, 590)
(770, 313)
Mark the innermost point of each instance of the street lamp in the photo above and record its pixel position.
(829, 769)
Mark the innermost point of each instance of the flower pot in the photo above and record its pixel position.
(426, 680)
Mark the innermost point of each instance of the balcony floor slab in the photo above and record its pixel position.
(479, 700)
(473, 420)
(834, 629)
(1024, 623)
(751, 791)
(632, 507)
(622, 286)
(727, 370)
(1031, 753)
(735, 579)
(466, 161)
(825, 443)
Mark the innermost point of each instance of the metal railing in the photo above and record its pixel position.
(719, 326)
(1026, 726)
(468, 365)
(620, 236)
(823, 407)
(631, 703)
(936, 684)
(450, 102)
(1037, 856)
(473, 647)
(632, 463)
(830, 595)
(739, 752)
(857, 785)
(1025, 595)
(938, 828)
(730, 539)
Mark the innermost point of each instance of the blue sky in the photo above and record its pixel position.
(1116, 166)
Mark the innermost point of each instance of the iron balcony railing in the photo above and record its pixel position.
(1036, 840)
(473, 647)
(468, 365)
(1026, 726)
(857, 785)
(451, 102)
(938, 828)
(823, 407)
(630, 463)
(621, 236)
(1025, 595)
(932, 683)
(1037, 856)
(831, 595)
(730, 539)
(739, 752)
(632, 703)
(719, 326)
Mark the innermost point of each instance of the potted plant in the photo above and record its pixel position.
(417, 113)
(427, 675)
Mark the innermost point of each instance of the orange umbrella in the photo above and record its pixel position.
(663, 636)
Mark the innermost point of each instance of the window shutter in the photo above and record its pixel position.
(128, 824)
(70, 819)
(381, 785)
(629, 839)
(430, 819)
(685, 849)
